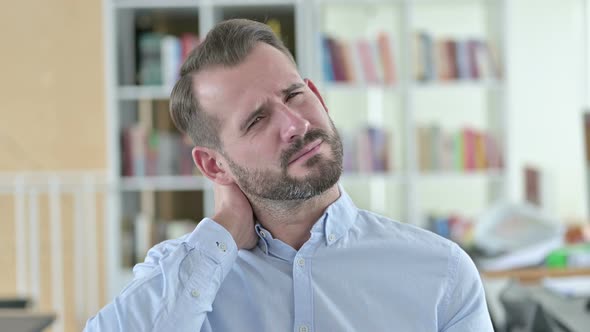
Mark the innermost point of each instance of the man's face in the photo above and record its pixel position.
(278, 139)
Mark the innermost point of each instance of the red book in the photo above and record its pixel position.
(469, 141)
(367, 61)
(188, 42)
(337, 61)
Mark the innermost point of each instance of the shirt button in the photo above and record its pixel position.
(303, 328)
(222, 246)
(262, 234)
(301, 262)
(331, 237)
(195, 293)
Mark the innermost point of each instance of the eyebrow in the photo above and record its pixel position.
(260, 110)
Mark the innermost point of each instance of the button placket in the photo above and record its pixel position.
(302, 281)
(331, 238)
(301, 262)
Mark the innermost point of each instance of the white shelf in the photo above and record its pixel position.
(164, 4)
(180, 183)
(374, 176)
(363, 3)
(487, 174)
(136, 92)
(345, 87)
(457, 84)
(257, 3)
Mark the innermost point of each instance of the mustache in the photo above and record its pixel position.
(300, 143)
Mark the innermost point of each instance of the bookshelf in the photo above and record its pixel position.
(388, 108)
(159, 195)
(448, 81)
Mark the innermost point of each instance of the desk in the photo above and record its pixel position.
(17, 320)
(570, 312)
(534, 275)
(496, 281)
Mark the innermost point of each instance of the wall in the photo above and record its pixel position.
(52, 88)
(52, 114)
(545, 65)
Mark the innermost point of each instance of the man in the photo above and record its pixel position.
(286, 249)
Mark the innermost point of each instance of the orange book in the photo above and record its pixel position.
(346, 55)
(480, 151)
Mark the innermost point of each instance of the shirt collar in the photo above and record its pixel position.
(339, 217)
(331, 226)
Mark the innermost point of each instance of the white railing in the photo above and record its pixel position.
(30, 193)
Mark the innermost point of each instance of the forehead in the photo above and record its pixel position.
(226, 91)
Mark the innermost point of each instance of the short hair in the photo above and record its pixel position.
(227, 44)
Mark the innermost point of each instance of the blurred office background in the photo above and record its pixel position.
(466, 117)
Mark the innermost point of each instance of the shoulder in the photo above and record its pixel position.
(412, 246)
(373, 225)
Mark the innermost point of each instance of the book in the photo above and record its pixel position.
(367, 59)
(472, 47)
(418, 57)
(171, 59)
(469, 137)
(424, 148)
(362, 61)
(532, 185)
(427, 56)
(443, 61)
(337, 61)
(462, 60)
(327, 64)
(379, 147)
(149, 49)
(188, 42)
(386, 55)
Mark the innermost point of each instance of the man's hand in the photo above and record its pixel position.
(234, 212)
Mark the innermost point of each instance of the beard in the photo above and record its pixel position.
(280, 186)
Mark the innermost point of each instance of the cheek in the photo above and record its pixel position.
(314, 111)
(256, 153)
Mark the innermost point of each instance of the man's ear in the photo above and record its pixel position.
(209, 163)
(315, 91)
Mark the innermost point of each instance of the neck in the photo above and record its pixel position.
(291, 221)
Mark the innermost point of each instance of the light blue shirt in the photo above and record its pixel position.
(358, 272)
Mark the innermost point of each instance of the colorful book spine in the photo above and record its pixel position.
(327, 64)
(150, 67)
(385, 45)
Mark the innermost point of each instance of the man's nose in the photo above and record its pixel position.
(293, 125)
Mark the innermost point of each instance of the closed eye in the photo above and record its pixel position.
(292, 95)
(255, 121)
